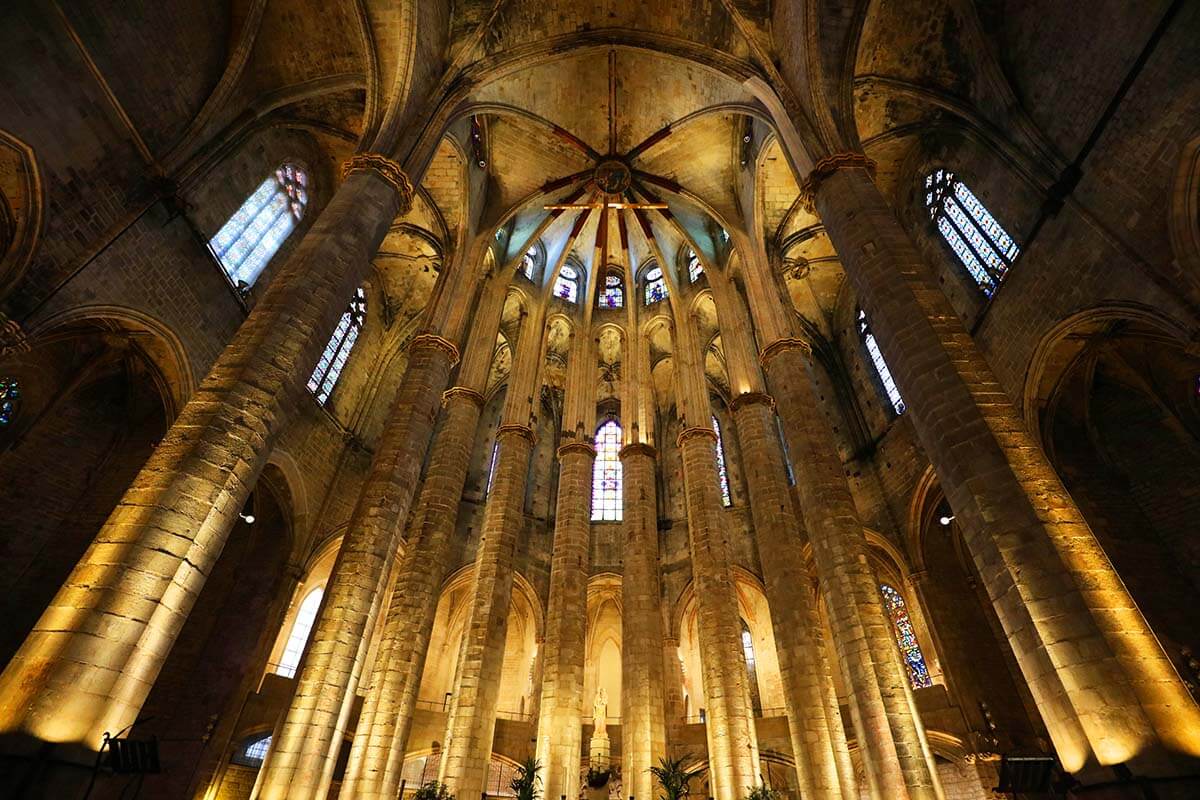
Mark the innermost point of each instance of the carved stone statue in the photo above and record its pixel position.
(600, 712)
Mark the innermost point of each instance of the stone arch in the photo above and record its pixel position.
(604, 643)
(21, 201)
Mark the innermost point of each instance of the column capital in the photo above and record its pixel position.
(826, 167)
(583, 448)
(457, 392)
(388, 170)
(638, 449)
(432, 340)
(783, 345)
(750, 399)
(694, 432)
(512, 429)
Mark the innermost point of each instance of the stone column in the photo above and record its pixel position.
(381, 736)
(643, 720)
(306, 742)
(895, 753)
(560, 712)
(1105, 688)
(467, 746)
(91, 659)
(733, 746)
(780, 538)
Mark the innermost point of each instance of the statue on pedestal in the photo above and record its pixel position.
(600, 712)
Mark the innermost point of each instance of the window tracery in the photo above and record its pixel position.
(695, 268)
(254, 752)
(881, 367)
(607, 475)
(566, 285)
(722, 473)
(248, 240)
(906, 638)
(333, 359)
(529, 262)
(614, 291)
(306, 615)
(979, 241)
(656, 286)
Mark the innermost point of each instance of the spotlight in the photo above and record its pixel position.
(247, 518)
(946, 520)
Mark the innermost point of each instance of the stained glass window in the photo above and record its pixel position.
(10, 400)
(492, 467)
(247, 241)
(255, 752)
(329, 368)
(606, 473)
(906, 637)
(979, 241)
(566, 285)
(695, 268)
(529, 262)
(614, 292)
(751, 667)
(722, 474)
(881, 367)
(656, 286)
(306, 615)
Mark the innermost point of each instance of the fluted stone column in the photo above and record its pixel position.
(1105, 688)
(91, 659)
(381, 736)
(560, 712)
(467, 746)
(643, 720)
(298, 764)
(733, 746)
(803, 667)
(895, 753)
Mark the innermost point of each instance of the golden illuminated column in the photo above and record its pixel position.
(803, 666)
(1104, 686)
(467, 745)
(560, 710)
(90, 661)
(896, 755)
(643, 720)
(381, 736)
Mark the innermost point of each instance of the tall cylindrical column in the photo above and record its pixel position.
(1105, 687)
(643, 720)
(377, 756)
(467, 746)
(896, 755)
(798, 639)
(302, 749)
(733, 745)
(91, 659)
(560, 712)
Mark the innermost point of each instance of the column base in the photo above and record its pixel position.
(599, 749)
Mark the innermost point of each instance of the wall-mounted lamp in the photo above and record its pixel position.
(946, 520)
(247, 518)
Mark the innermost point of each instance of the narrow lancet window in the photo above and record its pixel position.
(10, 400)
(306, 615)
(606, 473)
(906, 637)
(881, 367)
(656, 286)
(722, 473)
(329, 368)
(529, 262)
(566, 285)
(695, 268)
(492, 467)
(247, 241)
(982, 245)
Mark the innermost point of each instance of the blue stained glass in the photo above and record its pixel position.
(254, 233)
(722, 473)
(614, 292)
(695, 268)
(10, 400)
(566, 285)
(656, 286)
(333, 358)
(256, 751)
(607, 473)
(906, 638)
(976, 237)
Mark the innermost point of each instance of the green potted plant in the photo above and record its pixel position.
(673, 778)
(763, 792)
(525, 783)
(433, 791)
